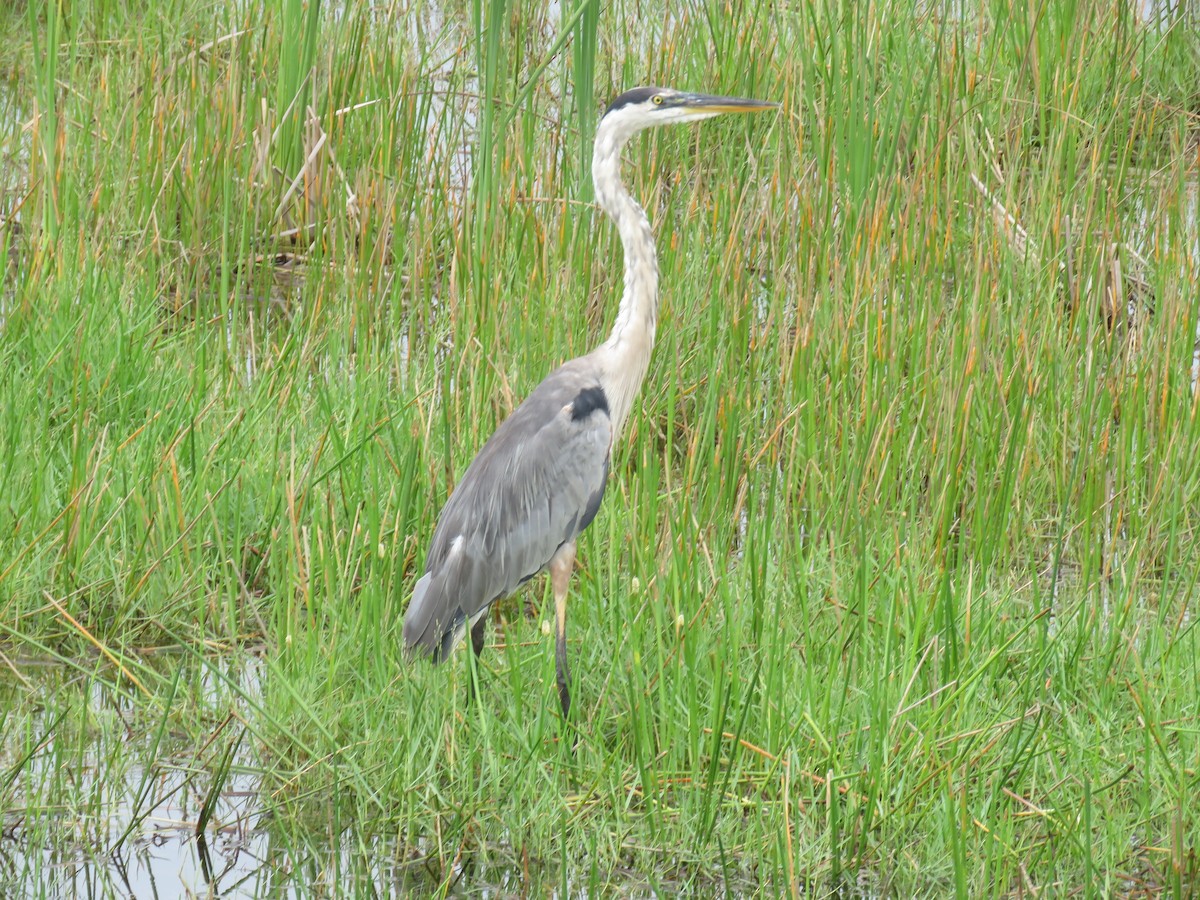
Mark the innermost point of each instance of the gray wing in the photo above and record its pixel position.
(536, 484)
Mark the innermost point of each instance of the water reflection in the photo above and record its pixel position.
(102, 801)
(102, 797)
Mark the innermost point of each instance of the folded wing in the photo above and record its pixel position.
(536, 484)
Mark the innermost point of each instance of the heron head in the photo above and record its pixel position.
(645, 107)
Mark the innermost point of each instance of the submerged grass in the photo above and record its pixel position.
(895, 584)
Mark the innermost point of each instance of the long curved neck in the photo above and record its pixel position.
(625, 357)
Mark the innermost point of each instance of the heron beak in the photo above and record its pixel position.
(711, 103)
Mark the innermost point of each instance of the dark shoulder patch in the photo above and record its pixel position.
(587, 402)
(637, 95)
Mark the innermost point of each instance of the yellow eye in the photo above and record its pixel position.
(657, 99)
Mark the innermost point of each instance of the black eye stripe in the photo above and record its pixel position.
(637, 95)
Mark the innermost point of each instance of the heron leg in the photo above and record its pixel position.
(561, 566)
(478, 637)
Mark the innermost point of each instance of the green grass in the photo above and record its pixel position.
(896, 578)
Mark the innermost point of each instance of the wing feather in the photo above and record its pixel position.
(536, 484)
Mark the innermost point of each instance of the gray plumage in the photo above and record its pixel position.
(538, 481)
(536, 484)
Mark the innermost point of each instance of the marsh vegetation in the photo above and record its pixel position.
(894, 589)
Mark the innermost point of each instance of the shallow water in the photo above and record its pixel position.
(101, 802)
(128, 827)
(98, 800)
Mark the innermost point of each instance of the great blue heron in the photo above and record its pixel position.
(538, 481)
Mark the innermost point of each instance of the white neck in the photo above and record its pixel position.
(625, 357)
